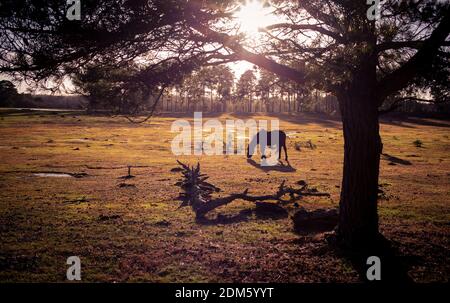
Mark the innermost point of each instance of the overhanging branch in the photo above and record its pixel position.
(232, 43)
(398, 102)
(152, 111)
(404, 44)
(419, 63)
(311, 27)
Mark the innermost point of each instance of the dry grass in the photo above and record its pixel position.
(136, 233)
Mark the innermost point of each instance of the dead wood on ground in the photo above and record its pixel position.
(197, 192)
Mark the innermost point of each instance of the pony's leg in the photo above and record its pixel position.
(285, 151)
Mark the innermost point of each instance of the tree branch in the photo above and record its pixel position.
(312, 27)
(404, 44)
(243, 54)
(398, 102)
(152, 109)
(419, 63)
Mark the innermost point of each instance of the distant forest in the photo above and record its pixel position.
(209, 89)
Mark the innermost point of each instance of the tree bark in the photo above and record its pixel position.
(358, 218)
(289, 102)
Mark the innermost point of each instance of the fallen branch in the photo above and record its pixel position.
(197, 193)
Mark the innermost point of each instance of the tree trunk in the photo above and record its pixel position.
(281, 100)
(289, 102)
(358, 218)
(203, 99)
(188, 103)
(211, 102)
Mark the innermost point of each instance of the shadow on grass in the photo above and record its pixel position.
(321, 119)
(393, 266)
(396, 160)
(23, 112)
(189, 115)
(280, 167)
(262, 211)
(399, 119)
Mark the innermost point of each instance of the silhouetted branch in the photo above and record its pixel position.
(152, 109)
(398, 102)
(418, 63)
(198, 193)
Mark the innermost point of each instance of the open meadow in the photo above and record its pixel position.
(132, 229)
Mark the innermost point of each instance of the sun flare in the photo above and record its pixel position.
(252, 16)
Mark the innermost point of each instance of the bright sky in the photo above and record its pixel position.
(250, 17)
(240, 67)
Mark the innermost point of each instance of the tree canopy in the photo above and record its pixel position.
(8, 93)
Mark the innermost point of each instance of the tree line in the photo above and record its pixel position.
(207, 89)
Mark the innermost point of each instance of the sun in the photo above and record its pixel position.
(252, 16)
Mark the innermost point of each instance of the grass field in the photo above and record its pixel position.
(132, 229)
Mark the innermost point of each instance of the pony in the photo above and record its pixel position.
(256, 140)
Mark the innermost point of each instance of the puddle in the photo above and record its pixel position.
(61, 175)
(53, 175)
(291, 134)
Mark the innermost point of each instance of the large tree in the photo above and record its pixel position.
(340, 49)
(333, 45)
(225, 80)
(267, 84)
(8, 93)
(245, 89)
(112, 88)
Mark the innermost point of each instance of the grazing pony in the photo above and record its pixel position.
(257, 141)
